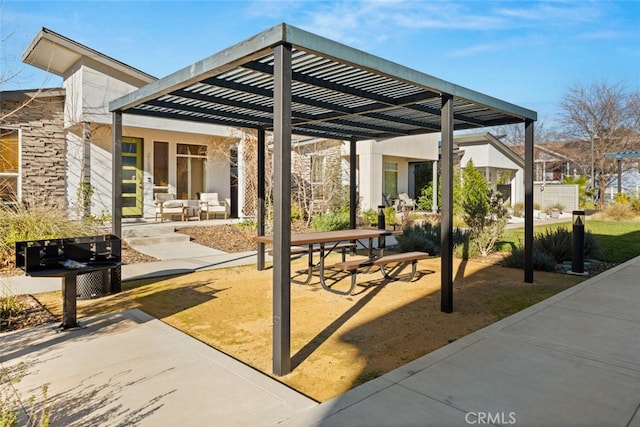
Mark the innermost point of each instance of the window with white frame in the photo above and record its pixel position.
(191, 161)
(391, 180)
(9, 165)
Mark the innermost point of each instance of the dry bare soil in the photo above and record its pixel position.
(337, 342)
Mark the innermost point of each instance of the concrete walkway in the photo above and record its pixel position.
(572, 360)
(130, 369)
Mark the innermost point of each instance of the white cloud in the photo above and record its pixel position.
(481, 49)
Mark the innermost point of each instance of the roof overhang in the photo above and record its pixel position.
(57, 54)
(337, 92)
(490, 140)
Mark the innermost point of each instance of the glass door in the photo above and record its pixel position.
(131, 176)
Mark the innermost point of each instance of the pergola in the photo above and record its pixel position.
(289, 81)
(619, 156)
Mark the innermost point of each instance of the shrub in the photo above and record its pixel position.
(618, 212)
(542, 261)
(621, 198)
(38, 222)
(518, 210)
(592, 246)
(370, 216)
(635, 205)
(558, 244)
(463, 247)
(484, 210)
(331, 221)
(10, 307)
(389, 215)
(558, 206)
(297, 211)
(37, 411)
(247, 225)
(425, 238)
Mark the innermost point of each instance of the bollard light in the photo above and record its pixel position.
(577, 259)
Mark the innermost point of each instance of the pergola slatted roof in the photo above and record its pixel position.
(289, 81)
(337, 93)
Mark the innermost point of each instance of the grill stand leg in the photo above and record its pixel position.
(69, 294)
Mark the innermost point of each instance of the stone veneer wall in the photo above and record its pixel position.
(43, 144)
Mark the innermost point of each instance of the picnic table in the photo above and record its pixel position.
(325, 242)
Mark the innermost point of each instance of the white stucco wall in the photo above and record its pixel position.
(416, 148)
(370, 174)
(90, 87)
(413, 148)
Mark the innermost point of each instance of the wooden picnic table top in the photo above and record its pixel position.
(333, 236)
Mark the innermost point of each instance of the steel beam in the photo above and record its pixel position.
(446, 224)
(282, 210)
(261, 194)
(528, 201)
(116, 175)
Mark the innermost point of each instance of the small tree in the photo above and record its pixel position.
(484, 212)
(425, 198)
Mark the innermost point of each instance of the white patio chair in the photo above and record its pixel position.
(211, 204)
(405, 202)
(167, 205)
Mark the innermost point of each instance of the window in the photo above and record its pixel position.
(191, 167)
(391, 180)
(161, 163)
(9, 164)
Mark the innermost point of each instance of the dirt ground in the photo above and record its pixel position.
(337, 342)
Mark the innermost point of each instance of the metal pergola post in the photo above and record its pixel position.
(261, 195)
(619, 165)
(116, 175)
(282, 210)
(353, 200)
(446, 224)
(528, 201)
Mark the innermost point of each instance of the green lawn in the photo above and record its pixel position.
(619, 241)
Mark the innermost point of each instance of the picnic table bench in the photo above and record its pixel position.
(327, 241)
(355, 266)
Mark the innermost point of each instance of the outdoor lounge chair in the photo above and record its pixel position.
(404, 202)
(167, 205)
(211, 204)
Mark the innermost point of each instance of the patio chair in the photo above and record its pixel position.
(405, 202)
(211, 204)
(167, 205)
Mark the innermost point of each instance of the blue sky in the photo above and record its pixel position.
(525, 52)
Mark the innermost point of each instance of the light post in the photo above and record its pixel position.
(577, 258)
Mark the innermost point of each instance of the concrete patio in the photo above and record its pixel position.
(571, 360)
